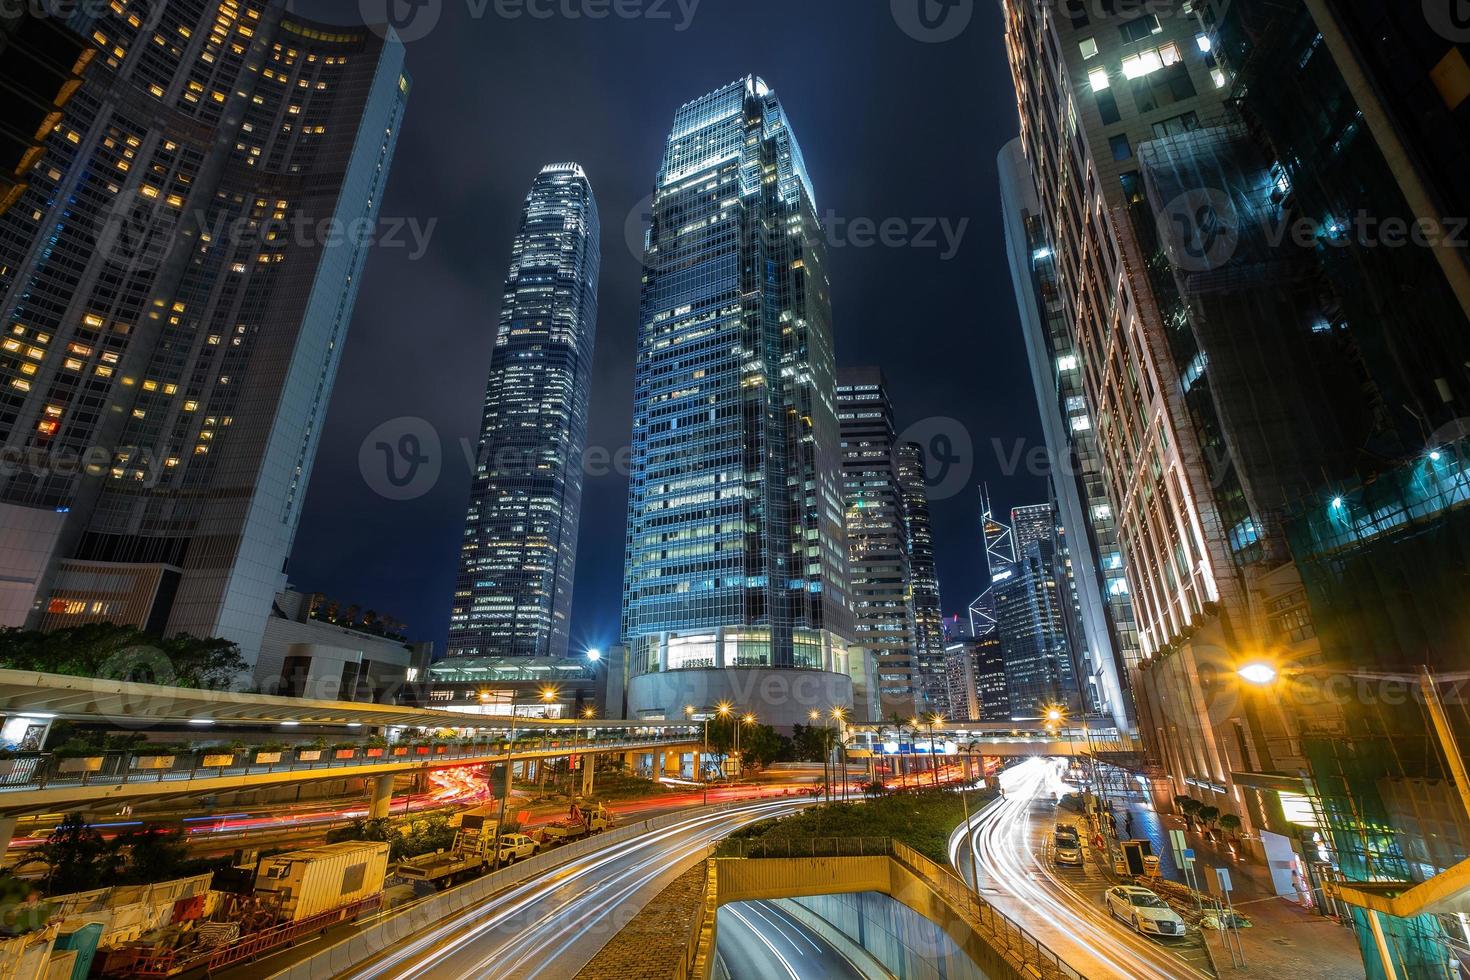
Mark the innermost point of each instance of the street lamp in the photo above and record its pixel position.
(749, 719)
(548, 695)
(689, 710)
(841, 717)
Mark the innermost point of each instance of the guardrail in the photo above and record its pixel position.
(1005, 934)
(1032, 952)
(46, 771)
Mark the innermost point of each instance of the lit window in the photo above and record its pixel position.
(1099, 78)
(1088, 46)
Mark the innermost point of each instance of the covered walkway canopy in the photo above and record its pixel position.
(49, 696)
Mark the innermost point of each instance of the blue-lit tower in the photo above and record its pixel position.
(735, 586)
(513, 596)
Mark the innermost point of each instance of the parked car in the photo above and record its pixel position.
(1065, 829)
(1067, 850)
(1145, 911)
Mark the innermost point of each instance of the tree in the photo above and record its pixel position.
(78, 858)
(1230, 823)
(155, 855)
(806, 742)
(123, 653)
(1209, 814)
(1180, 801)
(1191, 808)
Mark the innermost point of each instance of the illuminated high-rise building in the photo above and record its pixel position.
(174, 314)
(923, 586)
(736, 579)
(513, 597)
(877, 538)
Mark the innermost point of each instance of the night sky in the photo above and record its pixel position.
(891, 127)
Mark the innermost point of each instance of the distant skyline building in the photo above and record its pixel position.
(736, 577)
(877, 538)
(1033, 522)
(924, 602)
(1031, 612)
(1000, 555)
(167, 385)
(513, 596)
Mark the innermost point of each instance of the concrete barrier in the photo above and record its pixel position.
(389, 928)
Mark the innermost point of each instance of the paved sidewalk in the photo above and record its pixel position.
(1287, 941)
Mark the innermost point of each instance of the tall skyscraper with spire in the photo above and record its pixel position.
(513, 596)
(736, 580)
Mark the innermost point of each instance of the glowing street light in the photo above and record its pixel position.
(1258, 673)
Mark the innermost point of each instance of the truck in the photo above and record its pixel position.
(470, 854)
(592, 820)
(321, 878)
(514, 847)
(480, 820)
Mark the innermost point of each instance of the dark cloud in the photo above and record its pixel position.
(891, 128)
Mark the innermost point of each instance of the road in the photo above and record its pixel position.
(1063, 910)
(553, 925)
(759, 941)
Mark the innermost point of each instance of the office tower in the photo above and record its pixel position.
(1033, 522)
(1000, 555)
(1362, 110)
(1038, 522)
(175, 301)
(928, 619)
(959, 678)
(976, 674)
(513, 596)
(735, 585)
(877, 539)
(1031, 624)
(1108, 635)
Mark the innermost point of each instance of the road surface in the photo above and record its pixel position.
(552, 926)
(759, 941)
(1063, 909)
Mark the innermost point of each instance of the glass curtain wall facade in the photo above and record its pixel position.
(924, 601)
(513, 597)
(172, 320)
(1031, 621)
(736, 548)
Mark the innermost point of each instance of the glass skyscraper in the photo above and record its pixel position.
(513, 596)
(930, 686)
(173, 316)
(735, 586)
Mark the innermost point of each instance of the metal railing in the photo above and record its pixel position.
(1013, 937)
(1005, 934)
(44, 770)
(805, 847)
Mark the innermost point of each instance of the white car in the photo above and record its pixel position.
(1145, 911)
